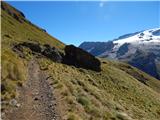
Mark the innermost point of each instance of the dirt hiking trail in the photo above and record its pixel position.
(36, 101)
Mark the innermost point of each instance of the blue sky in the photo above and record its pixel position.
(75, 22)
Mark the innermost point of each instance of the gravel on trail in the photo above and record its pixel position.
(36, 100)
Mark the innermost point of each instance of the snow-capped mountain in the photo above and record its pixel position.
(140, 49)
(147, 36)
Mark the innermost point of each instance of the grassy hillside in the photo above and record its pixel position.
(138, 75)
(14, 32)
(111, 94)
(115, 93)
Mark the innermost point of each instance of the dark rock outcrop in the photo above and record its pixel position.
(45, 50)
(123, 49)
(52, 53)
(73, 55)
(80, 58)
(33, 46)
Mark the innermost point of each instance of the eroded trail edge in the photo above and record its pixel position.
(35, 97)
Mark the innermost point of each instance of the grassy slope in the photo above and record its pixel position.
(139, 75)
(114, 93)
(13, 67)
(110, 94)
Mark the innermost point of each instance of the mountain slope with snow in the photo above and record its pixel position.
(140, 49)
(146, 36)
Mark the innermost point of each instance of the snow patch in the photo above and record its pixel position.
(145, 37)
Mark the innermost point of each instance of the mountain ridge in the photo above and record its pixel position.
(138, 46)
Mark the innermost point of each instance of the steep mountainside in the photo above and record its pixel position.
(16, 29)
(37, 85)
(140, 49)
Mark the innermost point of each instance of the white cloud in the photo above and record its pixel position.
(102, 2)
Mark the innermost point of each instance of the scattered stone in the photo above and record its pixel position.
(35, 93)
(33, 105)
(13, 102)
(49, 95)
(36, 99)
(18, 105)
(54, 118)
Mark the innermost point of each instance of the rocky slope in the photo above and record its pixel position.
(37, 83)
(140, 49)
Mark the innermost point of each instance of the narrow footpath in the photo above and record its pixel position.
(36, 101)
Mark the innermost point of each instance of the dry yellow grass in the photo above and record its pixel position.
(13, 67)
(115, 93)
(110, 94)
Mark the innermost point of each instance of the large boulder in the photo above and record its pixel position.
(80, 58)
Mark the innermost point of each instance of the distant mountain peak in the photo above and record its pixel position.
(134, 48)
(143, 37)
